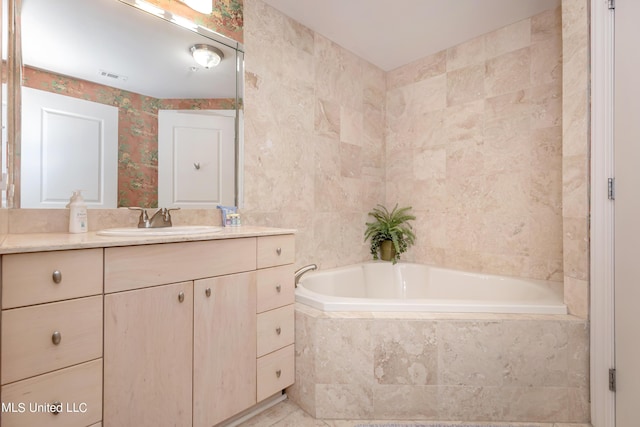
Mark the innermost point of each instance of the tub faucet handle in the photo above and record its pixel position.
(299, 272)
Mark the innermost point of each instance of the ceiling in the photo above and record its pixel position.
(114, 44)
(391, 34)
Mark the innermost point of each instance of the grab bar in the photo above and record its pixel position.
(299, 272)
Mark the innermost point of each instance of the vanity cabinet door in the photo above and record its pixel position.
(148, 356)
(224, 371)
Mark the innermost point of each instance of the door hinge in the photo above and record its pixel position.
(612, 4)
(612, 379)
(611, 188)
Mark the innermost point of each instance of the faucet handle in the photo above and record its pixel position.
(144, 217)
(167, 214)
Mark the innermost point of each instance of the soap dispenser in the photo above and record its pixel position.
(77, 213)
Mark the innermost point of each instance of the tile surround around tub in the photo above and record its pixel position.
(459, 367)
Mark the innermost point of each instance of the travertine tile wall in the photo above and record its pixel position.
(474, 144)
(314, 137)
(473, 141)
(575, 154)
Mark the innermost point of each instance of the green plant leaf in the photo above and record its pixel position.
(394, 226)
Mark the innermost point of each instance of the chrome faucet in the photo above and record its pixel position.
(162, 218)
(299, 272)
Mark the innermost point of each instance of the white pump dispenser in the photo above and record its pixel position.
(77, 213)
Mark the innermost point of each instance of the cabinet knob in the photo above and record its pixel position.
(57, 276)
(278, 373)
(56, 338)
(278, 330)
(279, 251)
(278, 288)
(181, 297)
(207, 292)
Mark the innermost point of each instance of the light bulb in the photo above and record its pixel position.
(206, 55)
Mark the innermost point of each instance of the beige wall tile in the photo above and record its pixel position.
(465, 54)
(480, 339)
(546, 61)
(405, 353)
(546, 25)
(576, 296)
(403, 402)
(470, 403)
(327, 119)
(576, 254)
(544, 404)
(351, 126)
(508, 39)
(465, 84)
(424, 68)
(343, 401)
(575, 112)
(509, 72)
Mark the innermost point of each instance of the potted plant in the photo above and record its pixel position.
(391, 233)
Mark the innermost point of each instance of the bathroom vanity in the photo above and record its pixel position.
(169, 330)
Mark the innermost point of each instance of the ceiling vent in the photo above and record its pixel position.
(113, 76)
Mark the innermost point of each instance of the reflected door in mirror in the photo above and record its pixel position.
(196, 158)
(67, 144)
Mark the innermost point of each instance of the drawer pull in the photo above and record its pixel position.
(278, 288)
(207, 292)
(56, 407)
(278, 330)
(181, 297)
(56, 338)
(57, 276)
(278, 373)
(279, 251)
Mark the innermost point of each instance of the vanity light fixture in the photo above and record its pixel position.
(202, 6)
(150, 8)
(206, 55)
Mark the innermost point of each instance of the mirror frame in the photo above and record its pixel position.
(14, 70)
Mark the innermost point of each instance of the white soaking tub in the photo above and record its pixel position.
(382, 286)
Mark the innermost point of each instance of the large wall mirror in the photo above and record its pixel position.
(114, 102)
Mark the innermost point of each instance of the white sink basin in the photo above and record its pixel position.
(180, 230)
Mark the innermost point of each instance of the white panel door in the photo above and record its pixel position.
(627, 212)
(67, 144)
(196, 160)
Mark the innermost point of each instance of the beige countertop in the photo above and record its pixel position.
(38, 242)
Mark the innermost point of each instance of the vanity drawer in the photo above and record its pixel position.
(28, 342)
(276, 250)
(275, 287)
(134, 267)
(77, 389)
(39, 277)
(275, 329)
(276, 371)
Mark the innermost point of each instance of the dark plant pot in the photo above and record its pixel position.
(387, 250)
